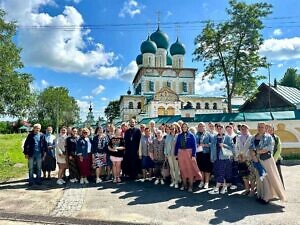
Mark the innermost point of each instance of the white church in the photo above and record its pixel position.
(162, 85)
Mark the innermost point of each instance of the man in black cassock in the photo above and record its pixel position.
(131, 162)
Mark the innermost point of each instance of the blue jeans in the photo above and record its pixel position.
(35, 166)
(260, 169)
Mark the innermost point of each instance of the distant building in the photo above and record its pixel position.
(282, 98)
(162, 85)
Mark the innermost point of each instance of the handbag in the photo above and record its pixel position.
(165, 171)
(265, 156)
(227, 152)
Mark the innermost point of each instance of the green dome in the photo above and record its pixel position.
(161, 39)
(177, 48)
(169, 60)
(139, 59)
(148, 46)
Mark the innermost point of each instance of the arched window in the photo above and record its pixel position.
(139, 105)
(161, 111)
(198, 105)
(130, 105)
(206, 105)
(168, 84)
(215, 106)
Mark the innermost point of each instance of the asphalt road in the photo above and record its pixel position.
(146, 203)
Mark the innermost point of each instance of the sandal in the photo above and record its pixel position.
(119, 180)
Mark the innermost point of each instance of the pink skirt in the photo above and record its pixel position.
(85, 166)
(116, 159)
(188, 167)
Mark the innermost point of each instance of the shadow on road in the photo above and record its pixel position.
(229, 208)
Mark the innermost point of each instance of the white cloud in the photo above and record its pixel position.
(277, 32)
(83, 104)
(65, 46)
(281, 49)
(129, 71)
(87, 97)
(206, 87)
(98, 90)
(104, 99)
(131, 8)
(44, 83)
(280, 65)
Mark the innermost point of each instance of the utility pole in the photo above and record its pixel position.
(269, 75)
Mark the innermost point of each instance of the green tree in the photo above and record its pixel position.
(291, 78)
(112, 110)
(15, 93)
(54, 107)
(230, 49)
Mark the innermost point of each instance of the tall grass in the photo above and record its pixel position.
(12, 160)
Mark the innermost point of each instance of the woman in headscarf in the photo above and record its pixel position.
(185, 152)
(271, 186)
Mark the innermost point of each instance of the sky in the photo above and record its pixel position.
(90, 46)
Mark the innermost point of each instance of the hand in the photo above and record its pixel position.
(221, 145)
(193, 158)
(81, 158)
(70, 157)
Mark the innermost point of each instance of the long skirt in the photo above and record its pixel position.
(204, 163)
(271, 187)
(85, 166)
(73, 168)
(49, 163)
(223, 170)
(188, 167)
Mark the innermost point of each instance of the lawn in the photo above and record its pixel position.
(12, 160)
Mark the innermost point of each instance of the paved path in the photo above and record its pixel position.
(135, 202)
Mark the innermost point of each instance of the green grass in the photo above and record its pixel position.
(11, 154)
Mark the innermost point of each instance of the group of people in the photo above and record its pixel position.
(188, 155)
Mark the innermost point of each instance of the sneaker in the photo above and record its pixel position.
(176, 186)
(98, 180)
(201, 184)
(81, 181)
(75, 180)
(223, 190)
(86, 181)
(233, 187)
(142, 180)
(182, 188)
(156, 182)
(60, 182)
(263, 176)
(206, 186)
(114, 180)
(214, 191)
(190, 189)
(72, 180)
(162, 182)
(172, 184)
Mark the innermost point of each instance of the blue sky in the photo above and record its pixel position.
(90, 46)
